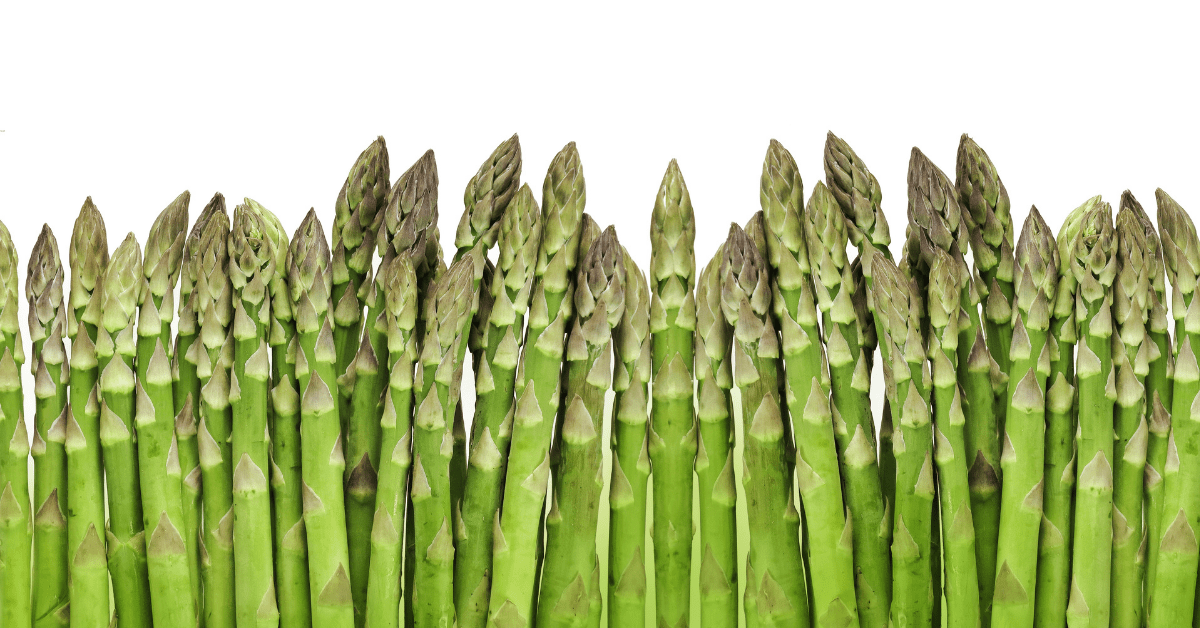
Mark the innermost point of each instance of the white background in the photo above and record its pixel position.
(132, 105)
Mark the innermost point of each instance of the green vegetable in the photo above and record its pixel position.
(898, 314)
(514, 570)
(844, 317)
(1131, 357)
(47, 324)
(672, 417)
(310, 281)
(775, 592)
(519, 237)
(1178, 555)
(1093, 261)
(631, 466)
(88, 580)
(16, 520)
(570, 589)
(121, 289)
(1158, 403)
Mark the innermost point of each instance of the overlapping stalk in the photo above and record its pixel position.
(986, 209)
(631, 465)
(898, 313)
(672, 417)
(519, 237)
(1131, 359)
(358, 215)
(946, 281)
(310, 280)
(776, 592)
(47, 325)
(214, 358)
(447, 318)
(161, 480)
(121, 288)
(835, 284)
(1025, 428)
(186, 360)
(487, 196)
(16, 520)
(570, 590)
(537, 395)
(1158, 403)
(86, 555)
(400, 293)
(1093, 261)
(251, 270)
(1178, 553)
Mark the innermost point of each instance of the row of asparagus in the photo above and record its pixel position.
(296, 452)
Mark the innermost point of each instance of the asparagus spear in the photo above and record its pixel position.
(213, 358)
(836, 284)
(1175, 577)
(16, 521)
(47, 324)
(1131, 357)
(1025, 440)
(251, 270)
(121, 289)
(672, 418)
(88, 581)
(537, 395)
(898, 319)
(775, 593)
(185, 363)
(400, 294)
(447, 317)
(309, 280)
(487, 197)
(357, 216)
(1093, 262)
(1158, 403)
(160, 474)
(631, 463)
(519, 237)
(982, 195)
(946, 279)
(570, 589)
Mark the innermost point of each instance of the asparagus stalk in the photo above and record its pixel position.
(986, 208)
(88, 581)
(631, 465)
(161, 479)
(836, 284)
(1175, 577)
(514, 561)
(121, 289)
(487, 196)
(1093, 262)
(16, 520)
(1025, 441)
(251, 270)
(358, 213)
(1158, 403)
(185, 363)
(47, 324)
(1131, 357)
(946, 279)
(213, 357)
(447, 317)
(570, 589)
(400, 292)
(672, 418)
(519, 237)
(309, 280)
(898, 319)
(775, 592)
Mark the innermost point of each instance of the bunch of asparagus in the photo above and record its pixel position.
(296, 450)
